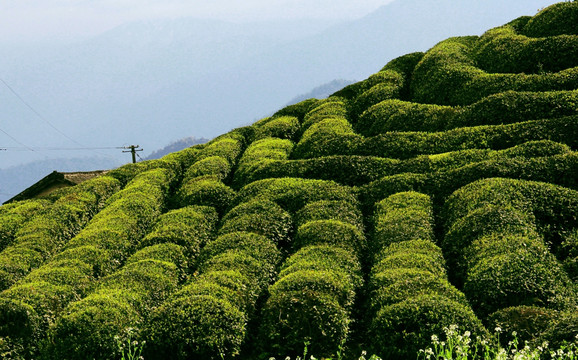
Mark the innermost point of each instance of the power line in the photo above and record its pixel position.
(37, 113)
(16, 140)
(59, 148)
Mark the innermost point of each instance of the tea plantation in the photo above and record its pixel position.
(441, 190)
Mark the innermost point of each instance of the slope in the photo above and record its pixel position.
(441, 190)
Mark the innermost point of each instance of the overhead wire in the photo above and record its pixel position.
(16, 140)
(37, 113)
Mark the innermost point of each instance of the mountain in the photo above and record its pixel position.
(151, 82)
(322, 91)
(437, 200)
(176, 146)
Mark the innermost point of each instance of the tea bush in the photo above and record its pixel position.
(317, 286)
(234, 271)
(404, 145)
(409, 293)
(398, 115)
(213, 165)
(343, 211)
(255, 245)
(502, 50)
(294, 193)
(440, 185)
(206, 191)
(447, 75)
(332, 232)
(88, 327)
(114, 231)
(14, 216)
(330, 136)
(501, 257)
(283, 127)
(258, 155)
(260, 217)
(190, 227)
(298, 110)
(554, 20)
(413, 321)
(390, 88)
(46, 234)
(332, 107)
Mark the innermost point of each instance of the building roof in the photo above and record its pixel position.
(53, 181)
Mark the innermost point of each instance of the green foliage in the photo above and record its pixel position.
(404, 145)
(347, 170)
(447, 75)
(331, 136)
(289, 318)
(397, 115)
(390, 87)
(284, 127)
(206, 191)
(501, 50)
(15, 216)
(212, 165)
(501, 220)
(204, 325)
(127, 172)
(313, 298)
(440, 185)
(396, 284)
(190, 227)
(260, 217)
(402, 217)
(405, 66)
(185, 157)
(258, 155)
(332, 107)
(264, 249)
(400, 330)
(254, 245)
(386, 76)
(526, 321)
(297, 110)
(325, 258)
(333, 232)
(343, 211)
(293, 193)
(110, 237)
(46, 234)
(557, 19)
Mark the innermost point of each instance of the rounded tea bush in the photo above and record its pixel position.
(400, 330)
(557, 19)
(396, 285)
(207, 191)
(199, 326)
(213, 165)
(259, 216)
(255, 245)
(332, 232)
(290, 318)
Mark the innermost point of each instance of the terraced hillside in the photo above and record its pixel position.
(441, 190)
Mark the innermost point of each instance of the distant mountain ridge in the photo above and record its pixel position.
(152, 82)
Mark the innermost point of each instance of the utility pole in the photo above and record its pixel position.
(133, 150)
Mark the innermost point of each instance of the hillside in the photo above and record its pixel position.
(442, 190)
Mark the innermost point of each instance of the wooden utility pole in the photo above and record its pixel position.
(133, 150)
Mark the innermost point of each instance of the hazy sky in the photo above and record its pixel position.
(33, 19)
